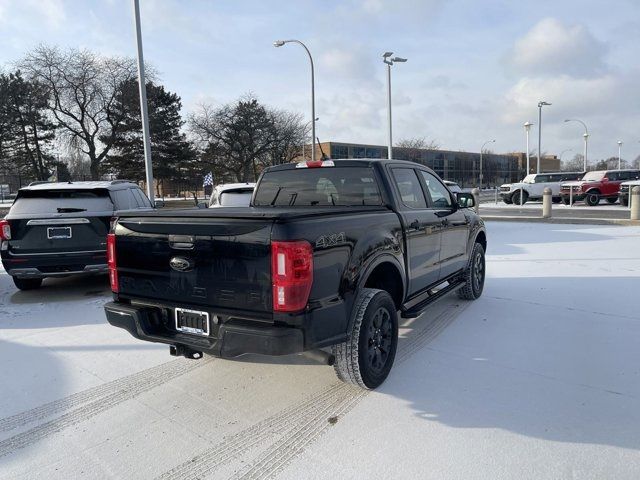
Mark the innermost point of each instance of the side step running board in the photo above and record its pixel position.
(417, 309)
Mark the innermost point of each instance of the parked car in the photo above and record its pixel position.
(533, 185)
(597, 185)
(60, 229)
(453, 186)
(232, 195)
(625, 191)
(326, 256)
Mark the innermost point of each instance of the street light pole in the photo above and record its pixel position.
(481, 149)
(143, 104)
(541, 103)
(305, 131)
(527, 127)
(586, 139)
(280, 43)
(390, 61)
(620, 157)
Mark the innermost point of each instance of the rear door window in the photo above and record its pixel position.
(62, 201)
(409, 187)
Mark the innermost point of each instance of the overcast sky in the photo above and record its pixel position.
(476, 68)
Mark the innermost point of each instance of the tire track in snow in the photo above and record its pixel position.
(321, 405)
(298, 426)
(95, 407)
(284, 451)
(57, 406)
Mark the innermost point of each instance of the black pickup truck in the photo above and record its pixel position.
(325, 257)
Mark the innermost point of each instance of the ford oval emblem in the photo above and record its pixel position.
(181, 264)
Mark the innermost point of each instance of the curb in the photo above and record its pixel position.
(560, 220)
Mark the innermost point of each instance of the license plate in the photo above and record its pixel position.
(58, 232)
(192, 321)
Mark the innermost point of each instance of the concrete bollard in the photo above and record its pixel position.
(476, 196)
(546, 203)
(634, 198)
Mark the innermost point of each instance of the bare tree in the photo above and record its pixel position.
(291, 134)
(418, 143)
(411, 148)
(235, 138)
(83, 87)
(576, 164)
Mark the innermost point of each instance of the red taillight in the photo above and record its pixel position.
(291, 274)
(111, 262)
(5, 230)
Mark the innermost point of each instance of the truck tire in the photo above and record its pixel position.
(507, 200)
(593, 199)
(366, 357)
(612, 200)
(474, 275)
(556, 200)
(27, 283)
(624, 202)
(515, 198)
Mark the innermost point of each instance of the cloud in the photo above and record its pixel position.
(551, 47)
(52, 10)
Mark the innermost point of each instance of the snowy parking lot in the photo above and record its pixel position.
(539, 378)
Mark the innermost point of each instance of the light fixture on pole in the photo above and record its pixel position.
(620, 155)
(481, 149)
(585, 135)
(541, 103)
(527, 127)
(280, 43)
(143, 104)
(386, 58)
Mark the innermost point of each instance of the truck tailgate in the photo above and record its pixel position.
(210, 261)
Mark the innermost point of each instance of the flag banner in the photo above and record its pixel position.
(208, 179)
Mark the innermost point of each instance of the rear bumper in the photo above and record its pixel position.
(231, 339)
(54, 265)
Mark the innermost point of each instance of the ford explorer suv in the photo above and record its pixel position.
(625, 191)
(60, 229)
(321, 262)
(597, 185)
(533, 185)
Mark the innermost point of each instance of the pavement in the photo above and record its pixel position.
(539, 378)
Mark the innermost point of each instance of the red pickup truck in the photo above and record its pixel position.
(596, 185)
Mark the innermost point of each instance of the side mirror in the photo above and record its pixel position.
(605, 179)
(202, 205)
(466, 200)
(158, 203)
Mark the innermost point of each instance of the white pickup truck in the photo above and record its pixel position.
(533, 185)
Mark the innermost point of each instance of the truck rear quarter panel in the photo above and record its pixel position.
(345, 247)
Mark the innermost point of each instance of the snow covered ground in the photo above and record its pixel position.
(539, 378)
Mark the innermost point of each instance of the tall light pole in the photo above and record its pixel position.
(143, 104)
(527, 127)
(305, 131)
(386, 58)
(481, 149)
(620, 156)
(541, 103)
(585, 135)
(280, 43)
